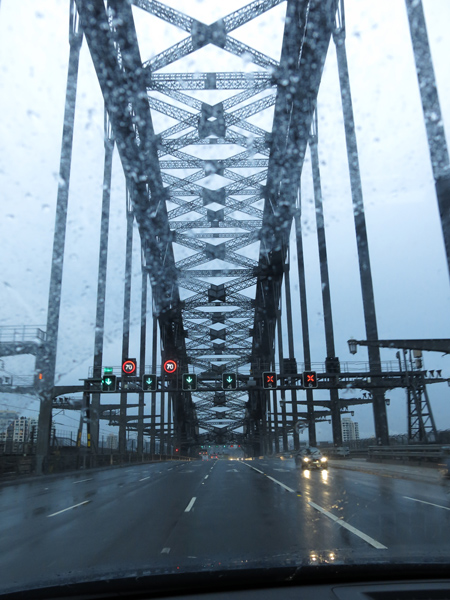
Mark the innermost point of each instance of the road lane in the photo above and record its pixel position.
(192, 513)
(376, 505)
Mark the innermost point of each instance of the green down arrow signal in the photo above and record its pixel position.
(108, 381)
(148, 381)
(229, 379)
(189, 379)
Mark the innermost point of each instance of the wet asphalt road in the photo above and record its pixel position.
(191, 513)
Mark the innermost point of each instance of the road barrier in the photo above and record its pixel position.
(426, 455)
(13, 465)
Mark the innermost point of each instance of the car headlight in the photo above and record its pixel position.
(323, 459)
(306, 459)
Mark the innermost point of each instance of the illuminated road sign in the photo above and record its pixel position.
(170, 366)
(310, 379)
(269, 380)
(109, 383)
(149, 383)
(129, 366)
(189, 382)
(229, 381)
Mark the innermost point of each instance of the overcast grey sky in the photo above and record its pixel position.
(410, 275)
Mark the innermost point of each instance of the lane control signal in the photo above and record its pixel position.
(149, 383)
(189, 382)
(109, 383)
(310, 379)
(269, 380)
(229, 381)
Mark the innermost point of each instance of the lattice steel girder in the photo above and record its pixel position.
(168, 145)
(208, 81)
(121, 86)
(306, 39)
(231, 205)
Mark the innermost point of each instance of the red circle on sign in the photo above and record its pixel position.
(170, 366)
(129, 367)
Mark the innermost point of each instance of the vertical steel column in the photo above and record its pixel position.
(101, 281)
(153, 410)
(169, 422)
(162, 418)
(126, 323)
(276, 432)
(272, 365)
(46, 365)
(379, 403)
(287, 289)
(283, 393)
(142, 348)
(432, 115)
(304, 318)
(324, 276)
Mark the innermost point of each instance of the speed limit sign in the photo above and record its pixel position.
(170, 366)
(129, 366)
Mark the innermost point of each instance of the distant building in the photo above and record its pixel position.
(20, 430)
(350, 430)
(112, 441)
(6, 418)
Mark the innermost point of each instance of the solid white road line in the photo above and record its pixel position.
(83, 480)
(190, 505)
(70, 507)
(342, 523)
(430, 503)
(144, 478)
(287, 488)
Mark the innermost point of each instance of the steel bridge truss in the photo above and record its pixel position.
(215, 196)
(214, 231)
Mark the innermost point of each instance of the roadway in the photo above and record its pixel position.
(204, 514)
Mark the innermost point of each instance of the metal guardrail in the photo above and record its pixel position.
(387, 366)
(16, 380)
(434, 453)
(26, 333)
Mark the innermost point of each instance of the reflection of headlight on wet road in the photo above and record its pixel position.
(307, 473)
(324, 475)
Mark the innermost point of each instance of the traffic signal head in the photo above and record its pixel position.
(149, 383)
(189, 382)
(229, 381)
(109, 383)
(310, 379)
(269, 381)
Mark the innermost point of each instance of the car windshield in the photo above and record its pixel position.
(225, 244)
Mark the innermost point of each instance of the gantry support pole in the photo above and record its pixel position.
(169, 422)
(432, 115)
(101, 281)
(126, 323)
(379, 403)
(162, 418)
(46, 365)
(283, 393)
(142, 352)
(153, 409)
(324, 277)
(290, 331)
(305, 325)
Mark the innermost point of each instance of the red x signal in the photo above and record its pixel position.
(269, 381)
(310, 379)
